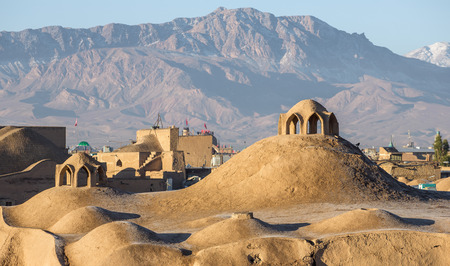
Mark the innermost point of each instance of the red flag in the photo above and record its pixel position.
(205, 126)
(76, 121)
(186, 122)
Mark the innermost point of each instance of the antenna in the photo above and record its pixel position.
(158, 123)
(411, 143)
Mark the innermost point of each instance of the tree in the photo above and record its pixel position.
(445, 147)
(440, 149)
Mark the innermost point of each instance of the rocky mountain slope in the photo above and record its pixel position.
(437, 53)
(236, 70)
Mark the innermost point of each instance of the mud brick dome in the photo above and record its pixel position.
(308, 117)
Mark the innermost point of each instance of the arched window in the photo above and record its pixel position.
(119, 163)
(333, 125)
(314, 124)
(83, 177)
(67, 179)
(293, 125)
(65, 176)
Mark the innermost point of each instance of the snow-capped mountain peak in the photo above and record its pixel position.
(437, 53)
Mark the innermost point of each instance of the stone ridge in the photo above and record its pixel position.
(227, 33)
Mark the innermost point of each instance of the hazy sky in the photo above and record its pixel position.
(400, 25)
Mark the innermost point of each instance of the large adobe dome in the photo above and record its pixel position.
(291, 169)
(308, 117)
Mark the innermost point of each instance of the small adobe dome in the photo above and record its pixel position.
(308, 117)
(307, 106)
(68, 173)
(82, 159)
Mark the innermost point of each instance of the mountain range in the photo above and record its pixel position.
(233, 70)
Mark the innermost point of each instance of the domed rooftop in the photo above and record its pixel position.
(307, 106)
(83, 143)
(308, 117)
(81, 158)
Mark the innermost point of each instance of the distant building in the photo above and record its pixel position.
(223, 154)
(198, 149)
(219, 159)
(417, 155)
(410, 163)
(107, 149)
(389, 153)
(409, 154)
(83, 146)
(153, 163)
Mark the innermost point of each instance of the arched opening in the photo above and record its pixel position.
(67, 179)
(293, 125)
(119, 163)
(101, 176)
(65, 176)
(333, 125)
(83, 177)
(314, 124)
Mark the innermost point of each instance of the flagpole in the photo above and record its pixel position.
(76, 131)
